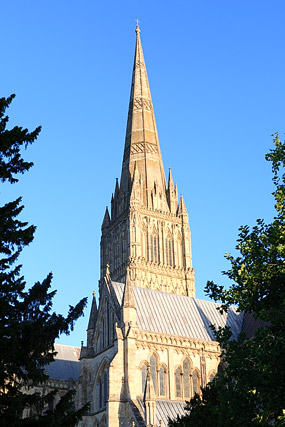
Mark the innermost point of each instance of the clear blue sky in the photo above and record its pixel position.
(216, 72)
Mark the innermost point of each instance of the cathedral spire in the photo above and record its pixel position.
(141, 143)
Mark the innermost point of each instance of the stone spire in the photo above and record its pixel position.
(141, 143)
(147, 230)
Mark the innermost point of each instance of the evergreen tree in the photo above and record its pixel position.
(28, 327)
(250, 390)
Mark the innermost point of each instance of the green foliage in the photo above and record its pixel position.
(251, 388)
(28, 327)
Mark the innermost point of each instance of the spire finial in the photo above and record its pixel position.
(137, 26)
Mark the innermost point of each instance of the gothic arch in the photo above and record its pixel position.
(163, 380)
(154, 363)
(143, 371)
(178, 381)
(196, 379)
(187, 366)
(211, 375)
(103, 421)
(101, 385)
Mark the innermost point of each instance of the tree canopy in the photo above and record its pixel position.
(250, 390)
(28, 327)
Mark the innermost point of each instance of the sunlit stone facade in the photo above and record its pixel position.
(149, 346)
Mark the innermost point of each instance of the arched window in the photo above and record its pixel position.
(162, 377)
(102, 388)
(143, 377)
(144, 244)
(196, 382)
(169, 251)
(178, 382)
(154, 247)
(153, 370)
(108, 323)
(112, 326)
(186, 378)
(103, 421)
(212, 377)
(179, 260)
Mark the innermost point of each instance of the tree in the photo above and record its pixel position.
(250, 390)
(28, 327)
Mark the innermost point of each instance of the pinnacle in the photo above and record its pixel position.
(128, 297)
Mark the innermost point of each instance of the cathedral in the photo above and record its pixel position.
(149, 343)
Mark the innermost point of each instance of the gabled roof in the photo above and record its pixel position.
(179, 315)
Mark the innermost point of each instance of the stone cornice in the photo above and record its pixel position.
(151, 267)
(160, 341)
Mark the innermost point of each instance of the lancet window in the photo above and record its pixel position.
(102, 388)
(178, 375)
(153, 371)
(154, 248)
(143, 377)
(186, 379)
(162, 381)
(179, 259)
(211, 376)
(196, 382)
(169, 251)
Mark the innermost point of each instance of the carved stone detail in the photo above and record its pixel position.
(143, 147)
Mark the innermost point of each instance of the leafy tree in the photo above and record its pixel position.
(28, 327)
(250, 390)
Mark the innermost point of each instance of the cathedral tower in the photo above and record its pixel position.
(148, 229)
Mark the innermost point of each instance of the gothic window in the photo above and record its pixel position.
(211, 377)
(154, 247)
(103, 421)
(111, 325)
(196, 382)
(108, 323)
(162, 381)
(186, 378)
(105, 388)
(169, 251)
(179, 260)
(143, 377)
(178, 382)
(102, 389)
(104, 331)
(153, 370)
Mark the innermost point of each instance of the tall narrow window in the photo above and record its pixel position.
(169, 251)
(143, 377)
(105, 390)
(111, 325)
(108, 323)
(195, 380)
(151, 249)
(103, 331)
(100, 393)
(162, 382)
(186, 378)
(178, 382)
(166, 252)
(153, 370)
(155, 248)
